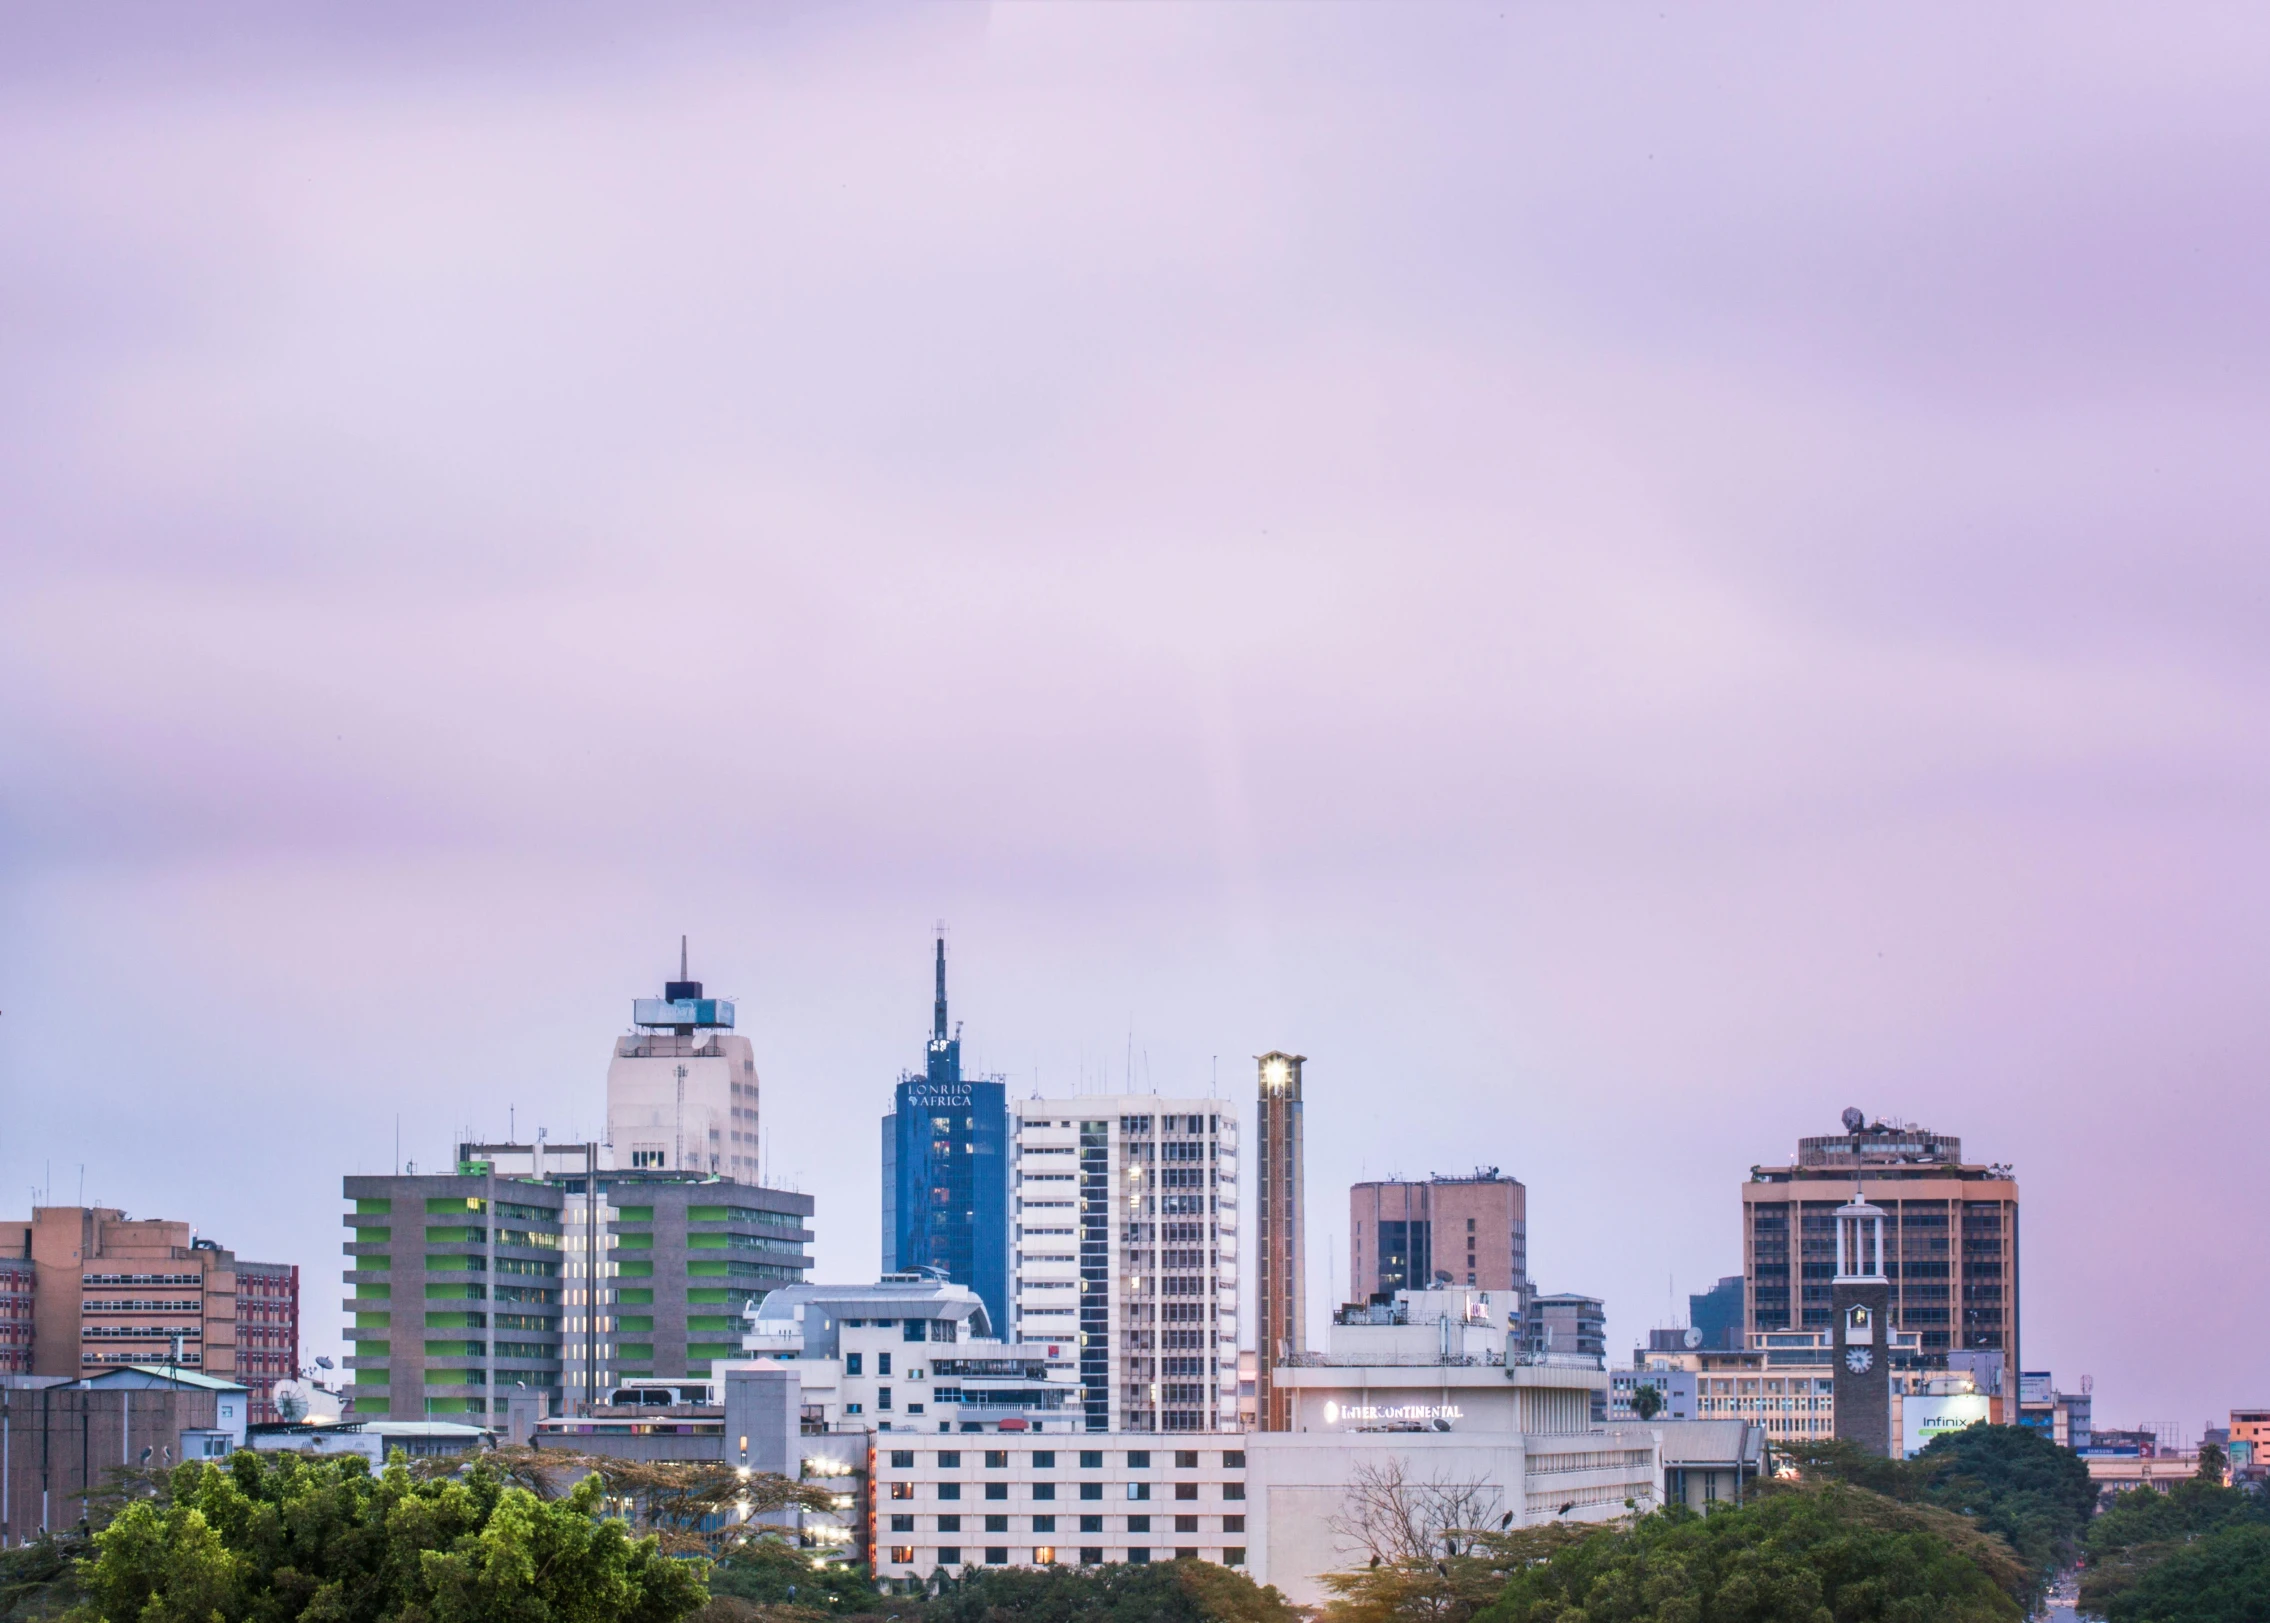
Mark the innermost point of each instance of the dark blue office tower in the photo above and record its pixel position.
(946, 1172)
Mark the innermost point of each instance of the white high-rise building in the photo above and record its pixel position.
(682, 1089)
(1124, 1255)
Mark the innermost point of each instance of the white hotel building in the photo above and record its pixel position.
(1124, 1233)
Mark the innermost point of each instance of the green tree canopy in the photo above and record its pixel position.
(1794, 1556)
(2145, 1526)
(2223, 1577)
(1159, 1592)
(280, 1538)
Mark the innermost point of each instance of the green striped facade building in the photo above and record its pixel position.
(463, 1285)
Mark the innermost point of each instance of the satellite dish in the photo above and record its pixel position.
(1693, 1337)
(1854, 1120)
(291, 1400)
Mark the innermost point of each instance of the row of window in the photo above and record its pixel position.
(1045, 1555)
(1088, 1524)
(1045, 1492)
(1044, 1459)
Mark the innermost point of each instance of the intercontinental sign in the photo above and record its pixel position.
(1337, 1414)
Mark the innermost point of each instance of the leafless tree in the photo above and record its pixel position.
(1390, 1515)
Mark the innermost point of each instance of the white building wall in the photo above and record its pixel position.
(1297, 1488)
(1169, 1252)
(684, 1103)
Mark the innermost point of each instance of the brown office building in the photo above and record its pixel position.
(1950, 1237)
(1471, 1231)
(106, 1290)
(1280, 1291)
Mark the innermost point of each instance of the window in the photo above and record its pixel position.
(902, 1459)
(1138, 1524)
(1186, 1524)
(852, 1364)
(997, 1459)
(1234, 1556)
(854, 1408)
(1089, 1555)
(1233, 1524)
(903, 1554)
(902, 1490)
(1045, 1556)
(948, 1459)
(1233, 1490)
(1186, 1490)
(1091, 1490)
(1044, 1459)
(1091, 1459)
(949, 1490)
(1186, 1459)
(1091, 1524)
(882, 1363)
(996, 1556)
(1138, 1490)
(949, 1555)
(1138, 1557)
(949, 1524)
(997, 1490)
(1234, 1460)
(997, 1524)
(1044, 1524)
(882, 1397)
(902, 1524)
(1044, 1490)
(1140, 1460)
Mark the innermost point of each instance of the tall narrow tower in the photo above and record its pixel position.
(1860, 1300)
(946, 1168)
(1280, 1289)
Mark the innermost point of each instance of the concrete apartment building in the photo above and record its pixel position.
(1471, 1231)
(1125, 1228)
(1950, 1236)
(462, 1282)
(84, 1288)
(682, 1087)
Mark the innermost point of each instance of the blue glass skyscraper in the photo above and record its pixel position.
(946, 1172)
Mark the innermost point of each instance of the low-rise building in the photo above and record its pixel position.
(911, 1352)
(65, 1436)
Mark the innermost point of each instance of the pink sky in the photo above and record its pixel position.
(1622, 582)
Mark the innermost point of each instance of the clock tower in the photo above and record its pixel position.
(1861, 1340)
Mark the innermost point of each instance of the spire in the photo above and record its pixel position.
(682, 975)
(938, 1012)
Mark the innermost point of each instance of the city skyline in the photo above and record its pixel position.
(1622, 584)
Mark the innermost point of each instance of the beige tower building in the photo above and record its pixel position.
(1280, 1249)
(682, 1088)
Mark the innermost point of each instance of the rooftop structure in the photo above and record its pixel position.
(682, 1087)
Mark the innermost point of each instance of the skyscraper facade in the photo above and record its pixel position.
(682, 1088)
(1280, 1252)
(1125, 1255)
(946, 1170)
(1950, 1253)
(1471, 1231)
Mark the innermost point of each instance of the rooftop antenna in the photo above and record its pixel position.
(938, 1010)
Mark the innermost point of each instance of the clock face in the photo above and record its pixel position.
(1857, 1359)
